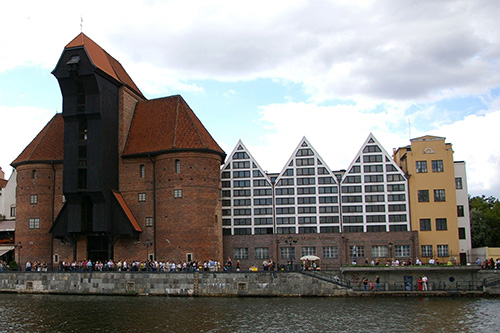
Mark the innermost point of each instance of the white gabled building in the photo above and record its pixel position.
(306, 194)
(374, 192)
(247, 195)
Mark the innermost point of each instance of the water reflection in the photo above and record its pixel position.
(41, 313)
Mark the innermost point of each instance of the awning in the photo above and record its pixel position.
(8, 225)
(309, 257)
(5, 249)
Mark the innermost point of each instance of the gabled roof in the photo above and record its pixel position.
(167, 124)
(102, 60)
(47, 146)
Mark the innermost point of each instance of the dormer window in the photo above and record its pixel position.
(73, 64)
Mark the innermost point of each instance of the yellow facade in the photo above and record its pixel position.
(428, 163)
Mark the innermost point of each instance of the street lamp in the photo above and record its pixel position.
(291, 242)
(19, 246)
(147, 243)
(390, 249)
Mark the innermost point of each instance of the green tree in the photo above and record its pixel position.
(485, 221)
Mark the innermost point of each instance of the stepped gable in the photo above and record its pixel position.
(47, 146)
(102, 60)
(167, 124)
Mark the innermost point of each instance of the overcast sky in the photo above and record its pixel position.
(271, 72)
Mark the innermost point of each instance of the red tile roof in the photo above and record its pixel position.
(102, 60)
(47, 146)
(3, 182)
(127, 211)
(166, 124)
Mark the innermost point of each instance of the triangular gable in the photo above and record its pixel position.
(371, 146)
(242, 149)
(303, 151)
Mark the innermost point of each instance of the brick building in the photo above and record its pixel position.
(116, 175)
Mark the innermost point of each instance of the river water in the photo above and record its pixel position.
(54, 313)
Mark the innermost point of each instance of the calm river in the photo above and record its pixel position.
(50, 313)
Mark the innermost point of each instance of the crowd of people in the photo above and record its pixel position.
(145, 266)
(488, 263)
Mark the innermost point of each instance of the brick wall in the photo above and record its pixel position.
(190, 224)
(46, 184)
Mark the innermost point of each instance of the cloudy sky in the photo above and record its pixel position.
(271, 72)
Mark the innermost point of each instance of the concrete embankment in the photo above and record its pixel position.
(171, 284)
(252, 284)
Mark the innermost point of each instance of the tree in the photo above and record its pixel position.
(485, 221)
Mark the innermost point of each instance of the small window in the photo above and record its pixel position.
(34, 223)
(427, 251)
(142, 171)
(177, 193)
(425, 224)
(437, 166)
(439, 195)
(33, 174)
(460, 210)
(241, 253)
(13, 211)
(442, 250)
(421, 166)
(177, 166)
(356, 251)
(441, 224)
(34, 199)
(458, 183)
(261, 253)
(142, 197)
(461, 233)
(330, 252)
(149, 221)
(423, 195)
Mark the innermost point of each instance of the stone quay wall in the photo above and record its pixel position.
(252, 284)
(170, 284)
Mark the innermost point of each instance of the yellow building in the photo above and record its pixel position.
(428, 164)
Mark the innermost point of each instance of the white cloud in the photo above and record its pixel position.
(388, 60)
(24, 123)
(476, 141)
(336, 132)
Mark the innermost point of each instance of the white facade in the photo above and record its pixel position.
(305, 197)
(463, 212)
(8, 198)
(374, 192)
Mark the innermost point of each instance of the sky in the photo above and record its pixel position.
(272, 72)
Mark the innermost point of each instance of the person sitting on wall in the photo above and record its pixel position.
(418, 262)
(431, 261)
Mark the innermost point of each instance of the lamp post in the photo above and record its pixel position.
(390, 249)
(291, 242)
(147, 243)
(19, 246)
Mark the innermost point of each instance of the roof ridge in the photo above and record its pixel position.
(176, 121)
(194, 123)
(43, 134)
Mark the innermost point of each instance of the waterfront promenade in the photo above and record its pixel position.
(443, 281)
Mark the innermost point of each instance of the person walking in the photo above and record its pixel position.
(424, 282)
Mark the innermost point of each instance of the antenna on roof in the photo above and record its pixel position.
(409, 129)
(81, 23)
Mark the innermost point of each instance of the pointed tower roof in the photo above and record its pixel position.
(103, 61)
(166, 124)
(47, 146)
